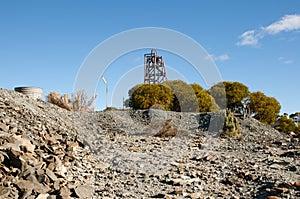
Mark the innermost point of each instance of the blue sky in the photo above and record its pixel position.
(44, 43)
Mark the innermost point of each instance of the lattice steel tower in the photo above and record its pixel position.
(154, 68)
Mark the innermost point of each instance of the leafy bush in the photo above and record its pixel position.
(229, 94)
(297, 130)
(111, 108)
(264, 108)
(148, 95)
(184, 99)
(286, 125)
(206, 103)
(218, 92)
(174, 95)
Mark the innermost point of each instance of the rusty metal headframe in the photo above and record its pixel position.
(154, 68)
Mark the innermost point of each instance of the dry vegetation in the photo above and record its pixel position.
(79, 101)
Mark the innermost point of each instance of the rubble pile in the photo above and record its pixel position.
(259, 163)
(48, 152)
(40, 153)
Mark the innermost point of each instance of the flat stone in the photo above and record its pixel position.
(272, 197)
(4, 127)
(25, 186)
(14, 130)
(4, 192)
(102, 166)
(24, 143)
(297, 184)
(65, 192)
(177, 181)
(51, 175)
(41, 188)
(195, 195)
(178, 191)
(84, 191)
(275, 166)
(134, 149)
(43, 196)
(61, 170)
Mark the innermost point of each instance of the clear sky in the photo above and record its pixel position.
(44, 43)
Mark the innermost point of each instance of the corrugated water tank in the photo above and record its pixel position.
(32, 92)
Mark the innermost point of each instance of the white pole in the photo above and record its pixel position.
(105, 82)
(106, 96)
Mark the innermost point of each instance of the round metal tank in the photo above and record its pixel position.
(32, 92)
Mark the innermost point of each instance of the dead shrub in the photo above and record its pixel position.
(63, 101)
(79, 101)
(167, 130)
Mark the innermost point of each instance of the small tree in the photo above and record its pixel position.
(229, 94)
(148, 95)
(184, 99)
(235, 93)
(286, 125)
(264, 108)
(218, 92)
(206, 102)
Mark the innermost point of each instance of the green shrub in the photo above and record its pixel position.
(231, 125)
(286, 125)
(111, 108)
(151, 95)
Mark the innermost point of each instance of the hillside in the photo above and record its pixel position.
(48, 152)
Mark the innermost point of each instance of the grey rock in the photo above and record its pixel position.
(4, 127)
(51, 175)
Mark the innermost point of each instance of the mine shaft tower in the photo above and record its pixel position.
(154, 68)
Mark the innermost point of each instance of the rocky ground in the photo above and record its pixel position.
(48, 152)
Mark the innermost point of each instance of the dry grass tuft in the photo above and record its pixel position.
(167, 130)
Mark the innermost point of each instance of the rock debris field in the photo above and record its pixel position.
(47, 152)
